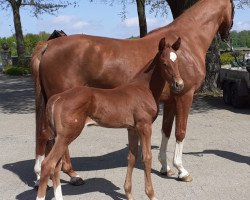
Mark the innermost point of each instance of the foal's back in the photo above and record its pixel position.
(115, 108)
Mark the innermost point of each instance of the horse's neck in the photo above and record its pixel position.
(198, 24)
(202, 21)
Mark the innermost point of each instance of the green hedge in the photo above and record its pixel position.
(16, 71)
(226, 58)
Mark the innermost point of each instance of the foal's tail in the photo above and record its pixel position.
(40, 99)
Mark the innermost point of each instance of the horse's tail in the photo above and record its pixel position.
(40, 99)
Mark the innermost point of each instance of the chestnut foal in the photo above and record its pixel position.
(133, 106)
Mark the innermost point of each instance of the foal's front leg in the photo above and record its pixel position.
(145, 132)
(183, 104)
(132, 158)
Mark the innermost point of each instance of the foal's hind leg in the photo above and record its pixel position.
(145, 132)
(67, 168)
(168, 118)
(183, 104)
(56, 181)
(132, 157)
(48, 169)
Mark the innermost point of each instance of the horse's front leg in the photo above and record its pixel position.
(145, 132)
(168, 118)
(132, 158)
(183, 104)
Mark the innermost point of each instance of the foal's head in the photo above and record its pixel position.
(168, 63)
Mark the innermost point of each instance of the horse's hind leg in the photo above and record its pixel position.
(168, 118)
(145, 132)
(42, 137)
(132, 157)
(183, 104)
(67, 168)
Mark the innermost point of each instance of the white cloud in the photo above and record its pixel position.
(62, 19)
(80, 25)
(134, 22)
(131, 22)
(69, 21)
(130, 26)
(241, 25)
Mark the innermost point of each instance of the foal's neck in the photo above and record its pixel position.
(155, 79)
(156, 83)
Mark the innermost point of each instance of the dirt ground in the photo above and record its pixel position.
(216, 153)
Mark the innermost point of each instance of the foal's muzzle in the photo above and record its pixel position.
(177, 86)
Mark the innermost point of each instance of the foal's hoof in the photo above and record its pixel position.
(76, 181)
(168, 173)
(187, 178)
(36, 184)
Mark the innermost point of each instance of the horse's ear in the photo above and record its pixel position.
(162, 44)
(177, 44)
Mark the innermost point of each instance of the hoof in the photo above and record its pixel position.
(169, 173)
(187, 178)
(76, 181)
(36, 184)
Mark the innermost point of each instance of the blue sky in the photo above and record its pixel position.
(97, 19)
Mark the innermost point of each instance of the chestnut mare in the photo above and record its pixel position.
(133, 106)
(71, 61)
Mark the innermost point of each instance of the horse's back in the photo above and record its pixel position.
(88, 60)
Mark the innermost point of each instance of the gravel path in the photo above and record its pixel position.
(216, 153)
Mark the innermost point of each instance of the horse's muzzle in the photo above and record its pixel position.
(177, 86)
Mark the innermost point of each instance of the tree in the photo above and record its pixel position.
(37, 8)
(142, 17)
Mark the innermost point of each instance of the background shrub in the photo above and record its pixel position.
(16, 71)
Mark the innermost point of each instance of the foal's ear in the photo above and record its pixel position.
(162, 44)
(177, 44)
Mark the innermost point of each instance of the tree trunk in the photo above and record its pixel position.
(142, 17)
(177, 7)
(19, 33)
(212, 66)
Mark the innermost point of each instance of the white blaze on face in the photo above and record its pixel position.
(173, 56)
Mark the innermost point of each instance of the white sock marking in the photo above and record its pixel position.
(58, 193)
(162, 157)
(178, 159)
(40, 198)
(38, 164)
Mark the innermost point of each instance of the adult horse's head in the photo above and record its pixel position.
(227, 21)
(169, 64)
